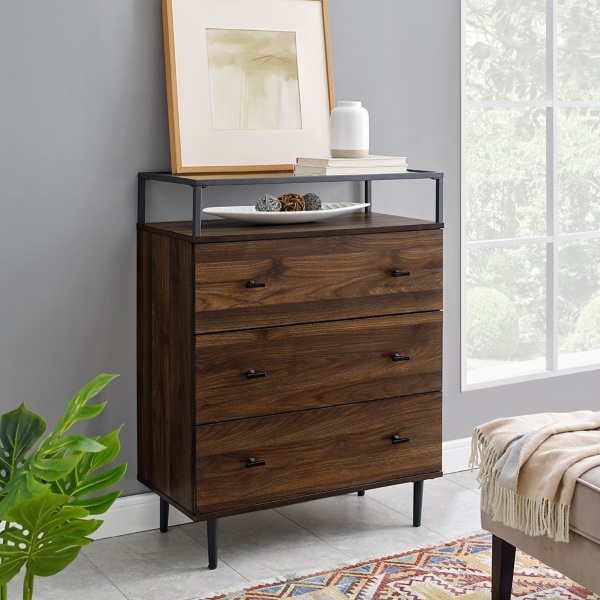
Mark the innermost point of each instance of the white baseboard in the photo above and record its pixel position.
(455, 455)
(133, 514)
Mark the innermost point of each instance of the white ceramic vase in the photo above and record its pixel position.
(349, 131)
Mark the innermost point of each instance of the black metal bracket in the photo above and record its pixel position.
(197, 211)
(198, 183)
(141, 201)
(439, 200)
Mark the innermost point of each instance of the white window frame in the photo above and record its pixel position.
(552, 237)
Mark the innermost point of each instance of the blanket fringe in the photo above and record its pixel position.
(533, 516)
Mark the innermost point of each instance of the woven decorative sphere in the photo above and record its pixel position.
(312, 202)
(291, 202)
(268, 203)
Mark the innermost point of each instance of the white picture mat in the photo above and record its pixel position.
(203, 146)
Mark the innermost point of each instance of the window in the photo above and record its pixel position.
(531, 189)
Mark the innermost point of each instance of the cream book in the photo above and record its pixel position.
(369, 161)
(317, 170)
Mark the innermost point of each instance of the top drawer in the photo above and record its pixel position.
(316, 279)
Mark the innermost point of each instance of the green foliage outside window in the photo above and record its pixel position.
(586, 333)
(518, 275)
(506, 185)
(579, 50)
(492, 324)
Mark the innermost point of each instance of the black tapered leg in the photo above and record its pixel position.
(164, 516)
(212, 528)
(361, 493)
(417, 503)
(503, 568)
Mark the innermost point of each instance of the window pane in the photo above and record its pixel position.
(506, 173)
(506, 312)
(506, 49)
(579, 50)
(579, 169)
(579, 303)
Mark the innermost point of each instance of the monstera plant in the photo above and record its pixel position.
(48, 494)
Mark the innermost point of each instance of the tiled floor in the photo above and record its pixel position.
(265, 545)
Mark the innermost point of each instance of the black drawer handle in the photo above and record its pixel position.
(252, 374)
(252, 285)
(398, 357)
(255, 463)
(399, 273)
(398, 440)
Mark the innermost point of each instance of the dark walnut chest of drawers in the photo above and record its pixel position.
(281, 364)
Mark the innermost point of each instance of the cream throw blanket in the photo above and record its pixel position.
(530, 465)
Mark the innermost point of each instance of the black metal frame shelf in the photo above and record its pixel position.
(201, 182)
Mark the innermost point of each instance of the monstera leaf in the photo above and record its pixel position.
(20, 429)
(47, 494)
(58, 455)
(45, 534)
(81, 482)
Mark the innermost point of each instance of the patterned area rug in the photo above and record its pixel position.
(460, 569)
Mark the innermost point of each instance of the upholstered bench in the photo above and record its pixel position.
(579, 559)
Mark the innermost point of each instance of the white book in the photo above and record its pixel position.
(369, 161)
(317, 170)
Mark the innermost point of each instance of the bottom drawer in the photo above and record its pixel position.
(316, 451)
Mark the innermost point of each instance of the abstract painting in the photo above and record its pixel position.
(253, 78)
(249, 84)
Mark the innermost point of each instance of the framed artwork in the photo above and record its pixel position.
(249, 83)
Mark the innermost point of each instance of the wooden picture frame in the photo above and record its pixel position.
(197, 145)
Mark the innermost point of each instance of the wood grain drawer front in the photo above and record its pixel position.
(315, 451)
(316, 279)
(267, 371)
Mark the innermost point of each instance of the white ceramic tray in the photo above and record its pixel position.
(251, 215)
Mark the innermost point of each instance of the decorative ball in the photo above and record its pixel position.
(312, 202)
(268, 203)
(292, 202)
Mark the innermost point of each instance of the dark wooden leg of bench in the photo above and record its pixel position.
(503, 567)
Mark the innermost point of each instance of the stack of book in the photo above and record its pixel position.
(371, 165)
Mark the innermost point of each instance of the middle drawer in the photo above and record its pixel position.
(283, 369)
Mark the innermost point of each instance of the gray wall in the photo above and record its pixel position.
(82, 105)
